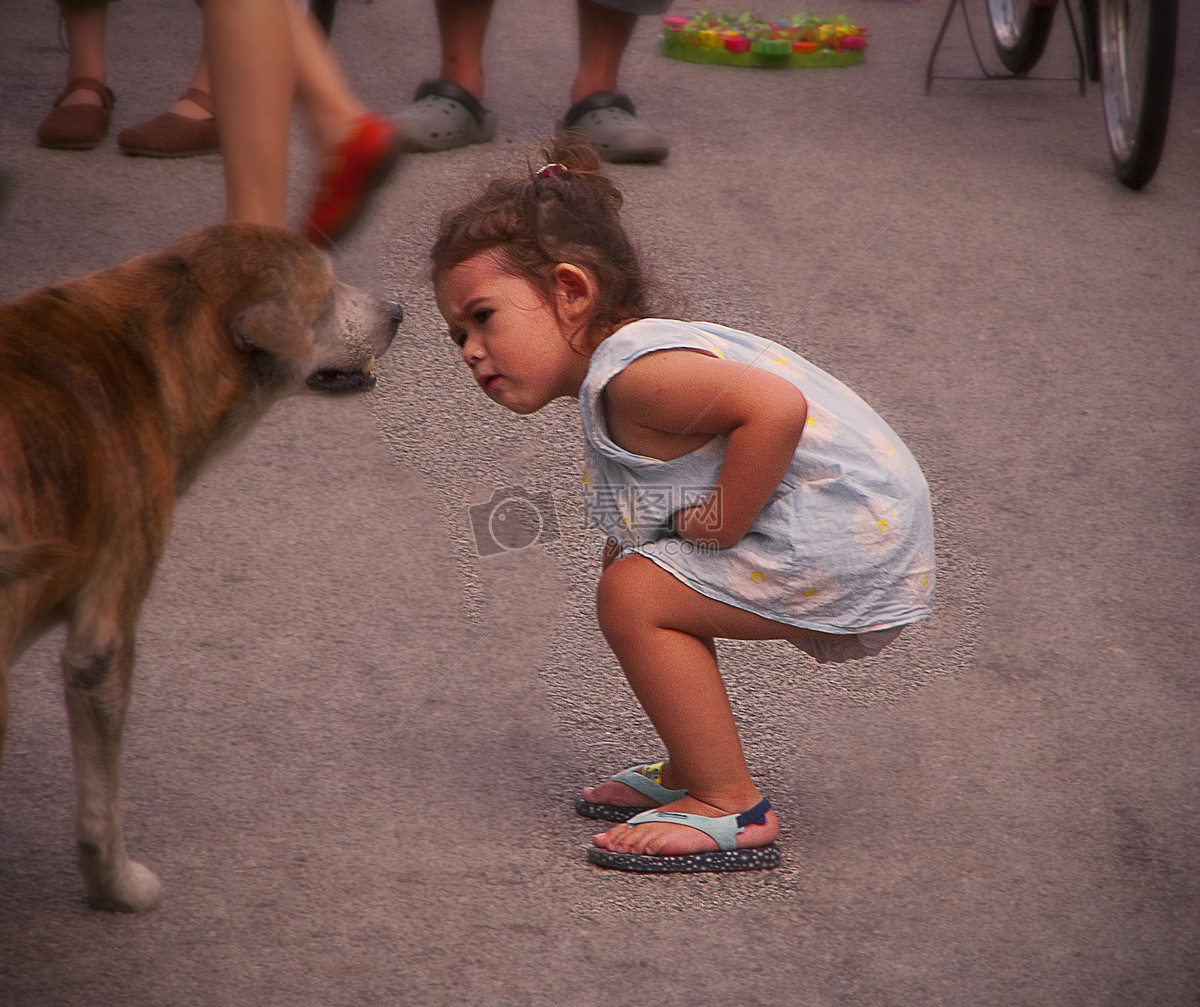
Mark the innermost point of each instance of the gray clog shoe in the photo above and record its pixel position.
(444, 114)
(608, 120)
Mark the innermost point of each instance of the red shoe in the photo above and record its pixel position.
(356, 168)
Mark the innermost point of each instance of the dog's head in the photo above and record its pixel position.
(285, 310)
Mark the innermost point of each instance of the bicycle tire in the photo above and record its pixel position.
(1135, 81)
(1020, 30)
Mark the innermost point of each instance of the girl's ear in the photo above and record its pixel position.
(575, 289)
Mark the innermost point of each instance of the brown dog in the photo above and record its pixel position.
(114, 388)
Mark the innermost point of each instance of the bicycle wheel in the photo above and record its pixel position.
(1137, 63)
(1020, 29)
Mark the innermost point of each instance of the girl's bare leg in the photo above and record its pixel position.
(661, 632)
(612, 792)
(86, 30)
(252, 65)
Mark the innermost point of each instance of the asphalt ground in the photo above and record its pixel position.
(354, 740)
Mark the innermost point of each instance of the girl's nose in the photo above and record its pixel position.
(472, 350)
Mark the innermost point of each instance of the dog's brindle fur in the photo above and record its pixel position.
(113, 389)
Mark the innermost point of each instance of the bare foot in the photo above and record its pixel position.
(664, 839)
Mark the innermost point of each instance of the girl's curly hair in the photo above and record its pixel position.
(566, 212)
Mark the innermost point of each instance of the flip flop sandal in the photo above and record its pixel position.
(608, 120)
(444, 114)
(77, 127)
(724, 830)
(643, 779)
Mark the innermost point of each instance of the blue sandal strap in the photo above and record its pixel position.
(756, 815)
(645, 785)
(724, 829)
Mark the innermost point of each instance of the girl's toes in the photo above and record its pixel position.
(627, 842)
(610, 840)
(650, 847)
(621, 842)
(638, 841)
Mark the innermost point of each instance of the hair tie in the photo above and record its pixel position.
(554, 168)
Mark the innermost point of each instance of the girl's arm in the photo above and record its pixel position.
(685, 393)
(612, 550)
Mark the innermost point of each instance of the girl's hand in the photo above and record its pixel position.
(701, 525)
(669, 403)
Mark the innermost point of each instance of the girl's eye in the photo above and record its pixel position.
(482, 315)
(458, 338)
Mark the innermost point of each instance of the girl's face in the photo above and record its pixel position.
(515, 343)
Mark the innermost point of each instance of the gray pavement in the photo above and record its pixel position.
(353, 742)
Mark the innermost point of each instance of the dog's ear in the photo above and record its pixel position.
(269, 325)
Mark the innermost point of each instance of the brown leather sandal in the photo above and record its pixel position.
(173, 135)
(77, 127)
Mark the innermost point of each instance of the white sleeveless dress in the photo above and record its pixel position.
(845, 543)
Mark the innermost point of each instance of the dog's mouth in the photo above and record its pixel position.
(361, 380)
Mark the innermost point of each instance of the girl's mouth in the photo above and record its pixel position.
(488, 383)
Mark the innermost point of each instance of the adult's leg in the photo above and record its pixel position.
(86, 28)
(201, 82)
(253, 69)
(604, 115)
(359, 148)
(80, 117)
(447, 111)
(462, 27)
(603, 36)
(332, 108)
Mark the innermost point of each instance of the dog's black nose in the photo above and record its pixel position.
(395, 313)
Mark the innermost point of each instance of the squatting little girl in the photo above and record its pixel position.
(745, 493)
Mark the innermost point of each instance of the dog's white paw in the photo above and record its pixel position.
(136, 889)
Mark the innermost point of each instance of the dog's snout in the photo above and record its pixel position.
(395, 313)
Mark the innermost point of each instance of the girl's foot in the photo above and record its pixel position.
(647, 786)
(663, 839)
(628, 793)
(612, 792)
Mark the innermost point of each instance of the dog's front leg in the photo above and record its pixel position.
(97, 672)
